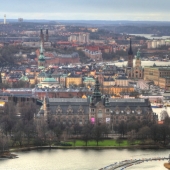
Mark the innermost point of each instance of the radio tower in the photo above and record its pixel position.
(5, 19)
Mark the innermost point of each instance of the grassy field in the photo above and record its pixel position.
(108, 142)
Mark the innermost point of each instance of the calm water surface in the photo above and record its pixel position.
(149, 36)
(81, 159)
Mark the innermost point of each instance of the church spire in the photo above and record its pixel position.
(41, 48)
(130, 52)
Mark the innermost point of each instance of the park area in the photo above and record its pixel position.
(106, 142)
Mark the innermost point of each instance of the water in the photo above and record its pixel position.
(79, 159)
(149, 36)
(143, 63)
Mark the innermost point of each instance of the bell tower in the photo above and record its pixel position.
(130, 56)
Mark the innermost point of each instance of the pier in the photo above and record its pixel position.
(127, 163)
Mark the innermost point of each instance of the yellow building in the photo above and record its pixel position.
(108, 81)
(117, 89)
(154, 73)
(164, 82)
(73, 80)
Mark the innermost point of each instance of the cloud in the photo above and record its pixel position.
(87, 9)
(90, 16)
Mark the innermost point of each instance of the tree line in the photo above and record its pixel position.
(25, 130)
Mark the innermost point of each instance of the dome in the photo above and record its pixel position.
(41, 57)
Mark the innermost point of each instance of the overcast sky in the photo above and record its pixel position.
(157, 10)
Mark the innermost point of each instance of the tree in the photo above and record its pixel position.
(18, 133)
(4, 143)
(86, 136)
(144, 133)
(97, 133)
(164, 131)
(119, 140)
(122, 128)
(50, 137)
(29, 131)
(58, 132)
(155, 133)
(8, 119)
(41, 131)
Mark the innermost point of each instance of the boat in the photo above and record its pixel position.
(121, 60)
(156, 105)
(167, 105)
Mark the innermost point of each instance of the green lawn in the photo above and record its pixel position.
(108, 142)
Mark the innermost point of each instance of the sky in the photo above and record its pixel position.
(136, 10)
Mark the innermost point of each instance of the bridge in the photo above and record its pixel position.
(127, 163)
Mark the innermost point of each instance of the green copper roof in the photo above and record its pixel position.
(41, 67)
(49, 79)
(138, 55)
(24, 78)
(87, 79)
(41, 56)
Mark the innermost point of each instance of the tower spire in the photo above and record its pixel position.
(130, 52)
(96, 93)
(41, 48)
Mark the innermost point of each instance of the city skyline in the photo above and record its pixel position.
(137, 10)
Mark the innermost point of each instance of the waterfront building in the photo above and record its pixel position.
(96, 108)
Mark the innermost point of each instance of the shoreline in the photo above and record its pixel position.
(87, 147)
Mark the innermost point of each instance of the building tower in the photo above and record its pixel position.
(138, 59)
(130, 56)
(96, 93)
(47, 35)
(5, 19)
(41, 58)
(42, 37)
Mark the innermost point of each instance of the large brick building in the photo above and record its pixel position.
(97, 108)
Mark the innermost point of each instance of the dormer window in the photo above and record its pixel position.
(117, 112)
(107, 110)
(92, 110)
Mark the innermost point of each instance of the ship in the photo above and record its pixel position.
(156, 105)
(121, 60)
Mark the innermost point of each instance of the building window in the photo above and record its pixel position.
(100, 114)
(107, 110)
(92, 110)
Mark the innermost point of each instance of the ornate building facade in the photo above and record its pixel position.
(97, 108)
